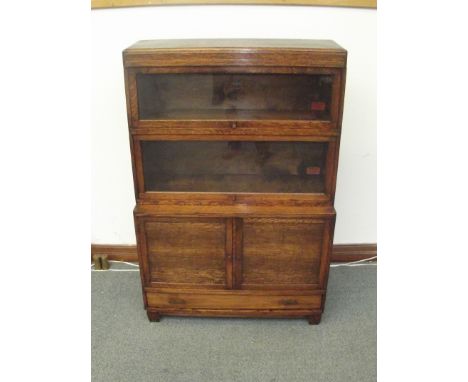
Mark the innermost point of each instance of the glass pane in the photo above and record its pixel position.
(269, 167)
(234, 96)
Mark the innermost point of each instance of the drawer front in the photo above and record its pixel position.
(231, 301)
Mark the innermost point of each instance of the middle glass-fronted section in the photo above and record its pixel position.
(234, 166)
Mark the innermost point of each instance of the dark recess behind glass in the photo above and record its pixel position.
(234, 96)
(234, 166)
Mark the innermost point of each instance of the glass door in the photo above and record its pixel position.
(234, 96)
(234, 166)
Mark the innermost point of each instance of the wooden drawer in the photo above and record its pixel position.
(231, 300)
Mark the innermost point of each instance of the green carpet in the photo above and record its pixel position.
(127, 347)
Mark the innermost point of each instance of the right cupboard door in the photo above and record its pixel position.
(281, 253)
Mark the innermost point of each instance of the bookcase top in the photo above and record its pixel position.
(236, 43)
(235, 52)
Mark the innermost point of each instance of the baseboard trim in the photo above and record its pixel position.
(353, 252)
(116, 252)
(341, 252)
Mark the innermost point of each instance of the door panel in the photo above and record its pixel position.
(191, 251)
(279, 252)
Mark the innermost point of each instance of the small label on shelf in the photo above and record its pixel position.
(313, 170)
(318, 106)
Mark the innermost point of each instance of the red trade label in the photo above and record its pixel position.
(318, 106)
(313, 170)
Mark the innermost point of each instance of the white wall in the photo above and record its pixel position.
(115, 29)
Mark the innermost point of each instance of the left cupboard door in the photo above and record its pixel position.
(185, 252)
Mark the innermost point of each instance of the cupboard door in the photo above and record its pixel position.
(192, 252)
(280, 253)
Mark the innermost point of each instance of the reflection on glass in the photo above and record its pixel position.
(234, 96)
(267, 167)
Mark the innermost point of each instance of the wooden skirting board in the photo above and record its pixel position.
(341, 252)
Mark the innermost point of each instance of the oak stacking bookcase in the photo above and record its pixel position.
(234, 149)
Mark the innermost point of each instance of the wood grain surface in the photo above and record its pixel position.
(340, 253)
(99, 4)
(234, 149)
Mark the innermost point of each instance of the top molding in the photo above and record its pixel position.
(235, 52)
(98, 4)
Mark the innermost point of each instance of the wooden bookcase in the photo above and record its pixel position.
(234, 149)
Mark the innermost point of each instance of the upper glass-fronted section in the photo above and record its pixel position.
(240, 96)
